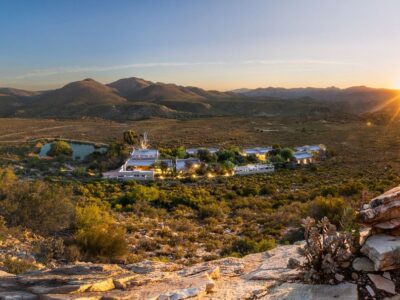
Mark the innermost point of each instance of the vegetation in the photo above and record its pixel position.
(326, 251)
(196, 219)
(58, 148)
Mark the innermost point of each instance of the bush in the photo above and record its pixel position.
(102, 241)
(44, 208)
(60, 148)
(246, 246)
(329, 207)
(97, 235)
(326, 251)
(17, 266)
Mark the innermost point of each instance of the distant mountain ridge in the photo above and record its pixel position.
(136, 98)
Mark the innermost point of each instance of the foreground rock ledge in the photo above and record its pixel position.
(255, 276)
(384, 251)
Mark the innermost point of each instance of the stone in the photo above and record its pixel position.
(370, 290)
(363, 264)
(5, 274)
(17, 295)
(182, 294)
(384, 251)
(383, 212)
(383, 283)
(365, 232)
(122, 281)
(339, 277)
(275, 266)
(295, 291)
(387, 275)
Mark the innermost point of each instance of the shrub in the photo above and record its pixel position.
(60, 148)
(42, 207)
(97, 234)
(17, 266)
(49, 249)
(330, 207)
(326, 251)
(102, 241)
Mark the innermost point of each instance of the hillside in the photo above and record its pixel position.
(356, 100)
(136, 98)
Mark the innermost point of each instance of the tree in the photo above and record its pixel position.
(131, 137)
(164, 166)
(60, 148)
(180, 152)
(286, 154)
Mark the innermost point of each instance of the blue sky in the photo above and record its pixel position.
(216, 44)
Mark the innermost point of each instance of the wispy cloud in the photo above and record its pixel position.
(79, 69)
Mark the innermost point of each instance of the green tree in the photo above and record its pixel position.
(286, 154)
(60, 148)
(131, 137)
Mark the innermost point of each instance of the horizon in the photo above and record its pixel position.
(220, 90)
(222, 45)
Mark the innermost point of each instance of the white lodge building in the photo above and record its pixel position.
(253, 169)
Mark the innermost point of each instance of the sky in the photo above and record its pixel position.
(213, 44)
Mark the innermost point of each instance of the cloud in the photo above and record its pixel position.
(78, 69)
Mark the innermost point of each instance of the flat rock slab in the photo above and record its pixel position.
(383, 283)
(275, 266)
(17, 295)
(383, 250)
(297, 291)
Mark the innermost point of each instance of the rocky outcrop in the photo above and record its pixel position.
(383, 250)
(383, 215)
(256, 276)
(383, 212)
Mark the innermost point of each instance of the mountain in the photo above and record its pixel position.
(135, 98)
(128, 87)
(358, 100)
(80, 98)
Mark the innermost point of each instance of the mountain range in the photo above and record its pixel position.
(135, 98)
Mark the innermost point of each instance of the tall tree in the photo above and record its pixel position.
(131, 137)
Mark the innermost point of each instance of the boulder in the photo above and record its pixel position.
(383, 212)
(384, 251)
(295, 291)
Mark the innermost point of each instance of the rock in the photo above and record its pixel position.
(122, 281)
(370, 290)
(339, 277)
(182, 294)
(383, 284)
(5, 274)
(384, 251)
(387, 275)
(17, 295)
(383, 212)
(365, 232)
(295, 291)
(363, 264)
(275, 265)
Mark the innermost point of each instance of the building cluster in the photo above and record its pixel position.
(146, 164)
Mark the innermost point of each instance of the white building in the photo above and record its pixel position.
(253, 169)
(145, 154)
(187, 164)
(303, 158)
(194, 151)
(311, 148)
(260, 152)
